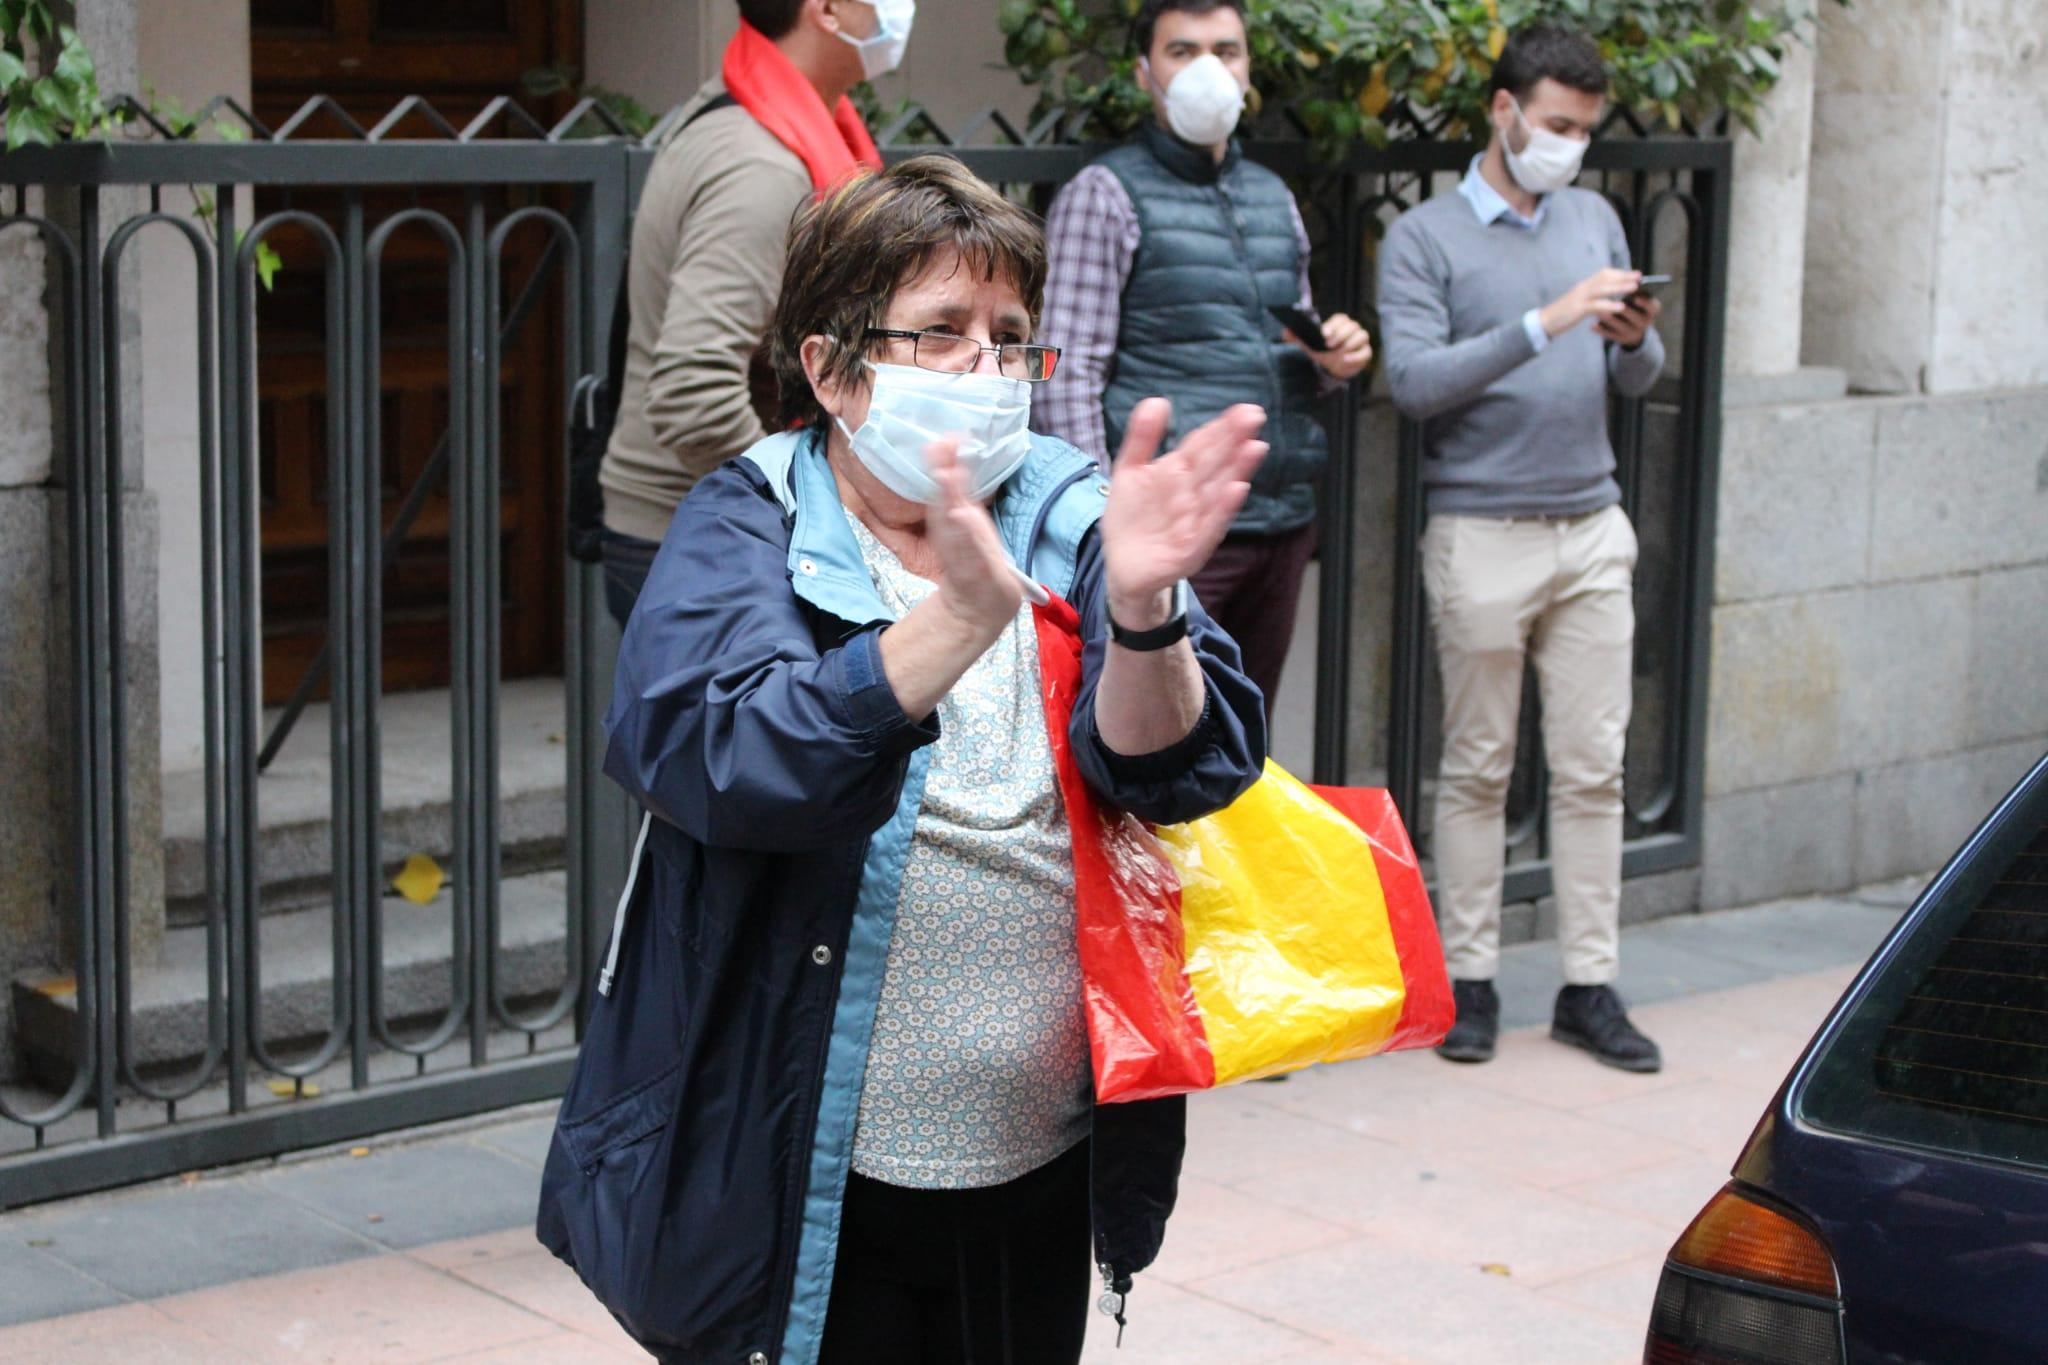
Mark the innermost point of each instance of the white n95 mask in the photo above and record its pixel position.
(882, 52)
(1550, 161)
(910, 407)
(1203, 102)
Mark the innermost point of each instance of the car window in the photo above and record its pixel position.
(1949, 1048)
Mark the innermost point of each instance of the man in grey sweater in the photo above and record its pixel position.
(1509, 311)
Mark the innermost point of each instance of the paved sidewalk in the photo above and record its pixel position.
(1393, 1209)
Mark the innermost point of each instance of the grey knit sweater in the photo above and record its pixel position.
(1508, 432)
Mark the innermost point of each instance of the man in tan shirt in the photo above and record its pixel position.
(709, 239)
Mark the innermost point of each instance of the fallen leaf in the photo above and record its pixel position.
(376, 1218)
(1495, 1268)
(359, 1151)
(292, 1090)
(558, 738)
(189, 1177)
(420, 880)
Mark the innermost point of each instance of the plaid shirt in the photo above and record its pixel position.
(1092, 237)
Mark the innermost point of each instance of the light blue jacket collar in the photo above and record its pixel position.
(1042, 514)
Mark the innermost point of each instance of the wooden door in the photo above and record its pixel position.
(369, 54)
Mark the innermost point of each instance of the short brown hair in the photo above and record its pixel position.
(853, 249)
(1149, 15)
(1538, 52)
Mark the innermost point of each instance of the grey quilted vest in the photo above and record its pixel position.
(1218, 248)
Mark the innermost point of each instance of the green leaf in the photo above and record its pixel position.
(30, 124)
(268, 263)
(12, 69)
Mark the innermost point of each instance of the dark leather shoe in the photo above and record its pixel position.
(1593, 1018)
(1472, 1037)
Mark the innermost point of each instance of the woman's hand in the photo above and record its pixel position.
(975, 580)
(1165, 515)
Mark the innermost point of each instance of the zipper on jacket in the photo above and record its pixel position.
(1230, 225)
(793, 1234)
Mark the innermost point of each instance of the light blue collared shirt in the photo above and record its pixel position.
(1487, 203)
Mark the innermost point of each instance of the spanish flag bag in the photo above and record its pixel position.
(1288, 929)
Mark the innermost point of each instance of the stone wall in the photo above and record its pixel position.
(1927, 181)
(1882, 576)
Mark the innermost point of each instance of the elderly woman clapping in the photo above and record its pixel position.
(835, 1104)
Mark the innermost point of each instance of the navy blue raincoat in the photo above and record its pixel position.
(701, 1154)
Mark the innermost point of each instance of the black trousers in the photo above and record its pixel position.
(626, 562)
(996, 1276)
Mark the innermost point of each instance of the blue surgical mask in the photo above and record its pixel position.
(882, 52)
(910, 407)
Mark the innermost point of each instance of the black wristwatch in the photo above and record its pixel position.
(1159, 637)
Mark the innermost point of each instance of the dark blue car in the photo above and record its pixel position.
(1893, 1204)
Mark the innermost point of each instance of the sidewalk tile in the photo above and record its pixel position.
(559, 1348)
(1782, 938)
(1709, 1116)
(419, 1194)
(1465, 1126)
(1170, 1326)
(526, 1140)
(173, 1239)
(1237, 1133)
(542, 1285)
(1465, 1217)
(465, 1251)
(1216, 1228)
(1393, 1299)
(132, 1334)
(1667, 1196)
(34, 1286)
(1624, 1291)
(387, 1308)
(1531, 1067)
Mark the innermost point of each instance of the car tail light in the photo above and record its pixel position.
(1746, 1285)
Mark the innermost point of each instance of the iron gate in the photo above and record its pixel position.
(248, 1094)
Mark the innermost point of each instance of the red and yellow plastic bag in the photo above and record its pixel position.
(1289, 929)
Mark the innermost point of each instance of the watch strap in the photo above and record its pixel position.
(1172, 632)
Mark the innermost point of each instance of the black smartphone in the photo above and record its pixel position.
(1304, 326)
(1650, 284)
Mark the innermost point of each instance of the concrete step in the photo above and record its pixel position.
(297, 953)
(294, 843)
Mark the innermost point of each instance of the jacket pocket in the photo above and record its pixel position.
(639, 1113)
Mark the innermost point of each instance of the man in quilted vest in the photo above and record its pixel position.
(1167, 256)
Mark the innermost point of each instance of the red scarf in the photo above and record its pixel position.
(833, 143)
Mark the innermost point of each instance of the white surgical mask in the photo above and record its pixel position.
(1550, 161)
(882, 52)
(910, 407)
(1203, 101)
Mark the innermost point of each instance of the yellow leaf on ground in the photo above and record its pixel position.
(420, 880)
(286, 1090)
(359, 1151)
(1495, 1268)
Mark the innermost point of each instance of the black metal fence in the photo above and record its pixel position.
(114, 1119)
(256, 1084)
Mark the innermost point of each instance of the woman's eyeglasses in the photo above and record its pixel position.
(950, 354)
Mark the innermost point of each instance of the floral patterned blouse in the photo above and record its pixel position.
(978, 1070)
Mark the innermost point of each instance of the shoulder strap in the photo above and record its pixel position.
(616, 359)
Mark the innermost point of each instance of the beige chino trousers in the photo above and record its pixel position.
(1557, 592)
